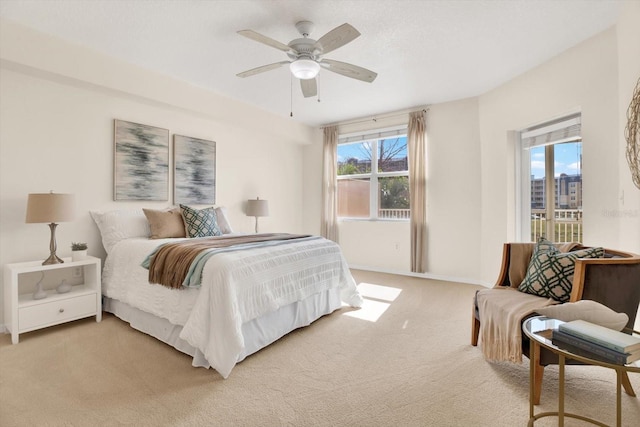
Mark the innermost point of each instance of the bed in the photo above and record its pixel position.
(248, 298)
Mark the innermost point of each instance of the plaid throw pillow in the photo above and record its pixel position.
(550, 272)
(200, 222)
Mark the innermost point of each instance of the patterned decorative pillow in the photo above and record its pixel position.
(550, 272)
(200, 222)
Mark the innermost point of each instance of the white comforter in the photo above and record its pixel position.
(237, 287)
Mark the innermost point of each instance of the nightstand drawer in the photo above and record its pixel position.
(54, 312)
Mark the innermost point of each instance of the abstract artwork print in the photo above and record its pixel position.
(141, 164)
(195, 171)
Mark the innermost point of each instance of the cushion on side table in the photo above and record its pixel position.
(590, 311)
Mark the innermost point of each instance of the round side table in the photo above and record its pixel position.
(538, 329)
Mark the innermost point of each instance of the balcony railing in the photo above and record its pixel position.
(568, 225)
(394, 213)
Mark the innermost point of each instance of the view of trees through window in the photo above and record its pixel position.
(373, 179)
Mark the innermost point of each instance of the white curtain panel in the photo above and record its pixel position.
(416, 140)
(329, 226)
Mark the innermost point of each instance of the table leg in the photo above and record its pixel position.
(618, 395)
(532, 357)
(561, 391)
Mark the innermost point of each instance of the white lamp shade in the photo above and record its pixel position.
(257, 207)
(50, 207)
(304, 69)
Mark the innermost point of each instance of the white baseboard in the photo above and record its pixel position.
(421, 275)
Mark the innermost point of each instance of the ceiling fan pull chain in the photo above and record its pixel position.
(318, 81)
(291, 92)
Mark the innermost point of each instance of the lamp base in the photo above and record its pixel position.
(53, 259)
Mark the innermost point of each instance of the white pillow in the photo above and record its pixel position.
(587, 310)
(120, 224)
(223, 220)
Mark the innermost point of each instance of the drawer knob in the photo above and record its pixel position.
(61, 310)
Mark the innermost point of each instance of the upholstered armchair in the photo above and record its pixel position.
(613, 281)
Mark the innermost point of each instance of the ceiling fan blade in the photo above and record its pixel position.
(262, 69)
(349, 70)
(265, 40)
(309, 87)
(337, 37)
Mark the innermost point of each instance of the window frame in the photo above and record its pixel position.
(373, 137)
(571, 126)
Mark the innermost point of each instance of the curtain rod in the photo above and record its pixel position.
(376, 118)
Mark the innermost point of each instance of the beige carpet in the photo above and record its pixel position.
(413, 366)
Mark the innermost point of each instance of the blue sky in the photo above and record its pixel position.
(567, 159)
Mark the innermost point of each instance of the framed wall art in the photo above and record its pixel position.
(141, 165)
(195, 171)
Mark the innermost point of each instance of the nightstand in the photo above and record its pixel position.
(24, 314)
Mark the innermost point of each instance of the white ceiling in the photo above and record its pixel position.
(424, 52)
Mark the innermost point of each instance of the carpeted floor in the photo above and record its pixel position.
(403, 360)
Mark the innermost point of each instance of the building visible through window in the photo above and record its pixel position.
(552, 180)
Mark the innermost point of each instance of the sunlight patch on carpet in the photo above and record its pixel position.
(378, 292)
(377, 299)
(371, 310)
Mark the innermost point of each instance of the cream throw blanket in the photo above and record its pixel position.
(501, 312)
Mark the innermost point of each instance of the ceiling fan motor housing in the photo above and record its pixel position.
(306, 48)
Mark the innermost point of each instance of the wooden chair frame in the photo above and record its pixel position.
(613, 281)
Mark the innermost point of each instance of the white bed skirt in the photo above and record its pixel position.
(257, 333)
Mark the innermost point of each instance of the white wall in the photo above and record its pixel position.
(628, 210)
(453, 191)
(376, 245)
(312, 184)
(57, 109)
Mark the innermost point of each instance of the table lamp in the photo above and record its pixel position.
(50, 208)
(257, 208)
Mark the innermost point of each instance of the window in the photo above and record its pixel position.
(373, 175)
(551, 184)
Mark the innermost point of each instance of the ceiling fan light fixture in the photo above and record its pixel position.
(304, 69)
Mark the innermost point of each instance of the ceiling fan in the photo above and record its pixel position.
(306, 56)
